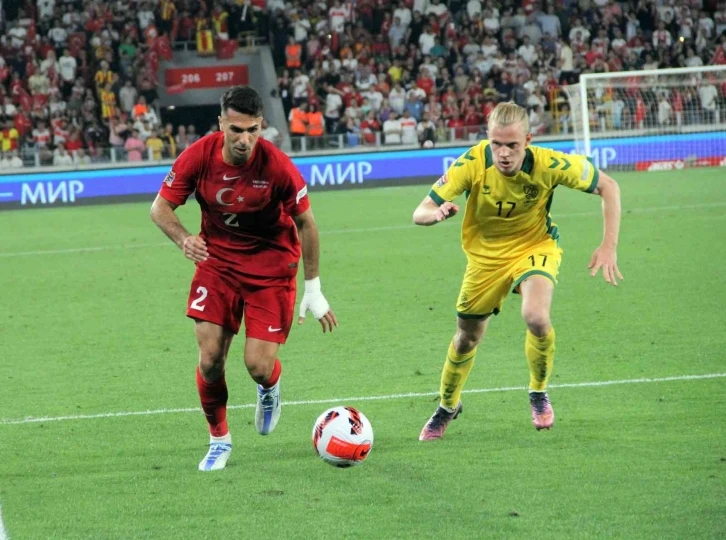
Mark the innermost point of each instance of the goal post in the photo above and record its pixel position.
(649, 119)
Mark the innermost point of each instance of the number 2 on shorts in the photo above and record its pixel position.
(197, 304)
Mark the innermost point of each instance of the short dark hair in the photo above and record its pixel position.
(243, 99)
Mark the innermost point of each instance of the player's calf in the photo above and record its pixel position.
(268, 410)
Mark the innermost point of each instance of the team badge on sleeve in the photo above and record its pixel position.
(169, 178)
(441, 181)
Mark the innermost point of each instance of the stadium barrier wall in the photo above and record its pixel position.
(353, 170)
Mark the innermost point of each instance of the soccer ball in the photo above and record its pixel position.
(342, 436)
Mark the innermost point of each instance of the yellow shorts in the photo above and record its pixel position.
(484, 290)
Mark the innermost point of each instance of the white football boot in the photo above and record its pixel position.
(220, 449)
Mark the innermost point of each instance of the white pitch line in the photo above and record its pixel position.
(80, 250)
(644, 380)
(346, 231)
(3, 532)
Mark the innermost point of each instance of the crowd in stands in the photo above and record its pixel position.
(412, 71)
(78, 78)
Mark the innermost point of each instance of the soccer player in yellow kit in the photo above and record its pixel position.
(511, 244)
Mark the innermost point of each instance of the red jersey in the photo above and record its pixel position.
(247, 210)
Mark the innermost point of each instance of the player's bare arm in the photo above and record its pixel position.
(605, 255)
(313, 298)
(429, 213)
(163, 214)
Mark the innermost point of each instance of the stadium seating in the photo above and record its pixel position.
(76, 77)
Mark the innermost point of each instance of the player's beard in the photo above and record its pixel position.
(238, 155)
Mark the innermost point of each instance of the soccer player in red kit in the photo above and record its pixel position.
(256, 222)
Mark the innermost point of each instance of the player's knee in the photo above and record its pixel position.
(538, 321)
(259, 369)
(211, 362)
(465, 342)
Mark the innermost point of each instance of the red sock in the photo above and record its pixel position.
(276, 371)
(213, 396)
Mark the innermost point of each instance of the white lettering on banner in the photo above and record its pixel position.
(48, 192)
(447, 162)
(602, 156)
(354, 172)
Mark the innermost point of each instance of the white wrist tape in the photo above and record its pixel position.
(313, 299)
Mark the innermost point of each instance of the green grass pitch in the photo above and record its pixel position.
(92, 330)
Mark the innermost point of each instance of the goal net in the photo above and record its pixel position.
(648, 120)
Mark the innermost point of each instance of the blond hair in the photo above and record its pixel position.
(508, 113)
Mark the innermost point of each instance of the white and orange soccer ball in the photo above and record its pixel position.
(343, 436)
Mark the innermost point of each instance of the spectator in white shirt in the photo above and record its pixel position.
(58, 35)
(473, 8)
(300, 27)
(333, 104)
(10, 160)
(17, 36)
(8, 109)
(403, 14)
(664, 111)
(375, 98)
(437, 8)
(578, 27)
(415, 92)
(408, 128)
(420, 6)
(692, 60)
(144, 128)
(350, 62)
(662, 37)
(145, 16)
(426, 40)
(127, 97)
(489, 47)
(45, 9)
(527, 51)
(270, 133)
(491, 23)
(708, 95)
(49, 63)
(366, 79)
(15, 161)
(397, 98)
(300, 84)
(337, 16)
(706, 23)
(61, 157)
(67, 67)
(392, 129)
(80, 157)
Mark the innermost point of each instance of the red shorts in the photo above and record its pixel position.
(268, 309)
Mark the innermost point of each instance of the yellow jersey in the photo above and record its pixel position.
(507, 215)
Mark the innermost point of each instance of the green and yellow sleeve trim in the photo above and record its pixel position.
(595, 177)
(436, 198)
